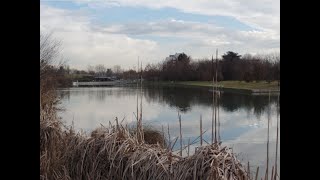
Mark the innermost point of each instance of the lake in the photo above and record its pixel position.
(243, 118)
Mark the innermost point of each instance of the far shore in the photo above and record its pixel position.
(254, 87)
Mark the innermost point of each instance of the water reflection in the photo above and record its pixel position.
(243, 118)
(182, 99)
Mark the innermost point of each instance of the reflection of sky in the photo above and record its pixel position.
(240, 128)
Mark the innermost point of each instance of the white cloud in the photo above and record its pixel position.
(87, 43)
(167, 28)
(200, 38)
(83, 44)
(264, 14)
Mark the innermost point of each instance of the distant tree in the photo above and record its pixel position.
(100, 69)
(117, 69)
(276, 68)
(129, 74)
(109, 72)
(259, 70)
(231, 66)
(231, 56)
(91, 69)
(182, 67)
(67, 69)
(151, 72)
(268, 71)
(203, 68)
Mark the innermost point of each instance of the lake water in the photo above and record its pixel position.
(243, 118)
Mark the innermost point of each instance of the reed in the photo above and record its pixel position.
(200, 130)
(114, 153)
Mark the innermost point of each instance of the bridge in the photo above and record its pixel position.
(101, 83)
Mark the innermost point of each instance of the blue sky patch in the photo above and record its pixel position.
(125, 14)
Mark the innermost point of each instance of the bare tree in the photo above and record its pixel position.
(100, 69)
(50, 72)
(49, 53)
(91, 69)
(117, 69)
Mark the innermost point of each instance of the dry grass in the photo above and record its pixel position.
(115, 153)
(153, 136)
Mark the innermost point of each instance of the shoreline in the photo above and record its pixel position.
(253, 88)
(260, 88)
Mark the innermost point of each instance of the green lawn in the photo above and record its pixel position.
(235, 84)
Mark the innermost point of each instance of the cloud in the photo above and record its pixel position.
(264, 14)
(83, 44)
(86, 42)
(168, 28)
(197, 35)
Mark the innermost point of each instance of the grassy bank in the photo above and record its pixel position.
(240, 85)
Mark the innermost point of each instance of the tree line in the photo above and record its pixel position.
(231, 66)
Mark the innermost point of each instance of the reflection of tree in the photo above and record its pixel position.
(182, 98)
(259, 103)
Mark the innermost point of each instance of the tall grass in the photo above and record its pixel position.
(115, 153)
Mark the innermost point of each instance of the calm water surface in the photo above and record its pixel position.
(243, 118)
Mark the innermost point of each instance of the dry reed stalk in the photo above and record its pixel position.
(267, 169)
(257, 173)
(140, 122)
(277, 141)
(219, 138)
(174, 143)
(212, 120)
(200, 130)
(169, 140)
(215, 117)
(138, 102)
(188, 147)
(248, 171)
(215, 100)
(179, 116)
(164, 142)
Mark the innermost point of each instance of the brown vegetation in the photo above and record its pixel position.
(114, 153)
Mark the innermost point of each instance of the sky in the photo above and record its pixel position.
(119, 32)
